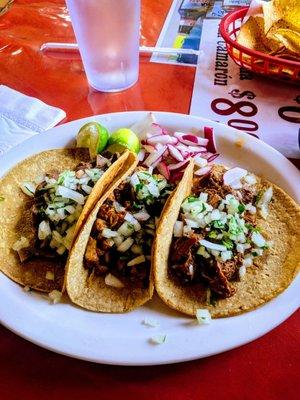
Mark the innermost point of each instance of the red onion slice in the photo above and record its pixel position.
(209, 134)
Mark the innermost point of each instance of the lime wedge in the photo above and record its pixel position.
(123, 139)
(92, 136)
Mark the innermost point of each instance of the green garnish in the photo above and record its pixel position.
(213, 234)
(191, 199)
(2, 198)
(241, 208)
(218, 224)
(139, 186)
(254, 253)
(253, 228)
(228, 243)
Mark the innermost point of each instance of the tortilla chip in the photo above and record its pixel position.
(16, 216)
(90, 291)
(251, 34)
(272, 274)
(288, 11)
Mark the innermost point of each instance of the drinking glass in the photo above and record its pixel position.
(107, 33)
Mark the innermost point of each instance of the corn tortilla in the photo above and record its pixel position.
(90, 291)
(272, 274)
(16, 216)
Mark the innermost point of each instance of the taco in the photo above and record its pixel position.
(227, 242)
(109, 267)
(45, 200)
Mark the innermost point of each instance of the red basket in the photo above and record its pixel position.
(254, 60)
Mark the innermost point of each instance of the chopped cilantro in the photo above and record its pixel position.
(136, 206)
(241, 208)
(253, 228)
(228, 243)
(265, 247)
(213, 234)
(254, 253)
(218, 224)
(139, 186)
(191, 199)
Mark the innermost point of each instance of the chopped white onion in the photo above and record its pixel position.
(233, 176)
(87, 189)
(70, 194)
(203, 316)
(250, 179)
(20, 244)
(150, 322)
(55, 296)
(118, 207)
(134, 180)
(50, 276)
(111, 280)
(178, 228)
(141, 216)
(124, 246)
(258, 239)
(126, 229)
(212, 246)
(44, 230)
(242, 271)
(28, 188)
(108, 233)
(136, 261)
(159, 339)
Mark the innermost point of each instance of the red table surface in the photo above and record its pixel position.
(267, 368)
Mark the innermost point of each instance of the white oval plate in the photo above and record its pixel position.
(122, 338)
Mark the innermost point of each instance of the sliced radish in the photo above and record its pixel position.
(193, 140)
(163, 169)
(148, 148)
(175, 153)
(141, 155)
(153, 157)
(195, 149)
(179, 165)
(209, 134)
(203, 171)
(213, 157)
(162, 139)
(200, 162)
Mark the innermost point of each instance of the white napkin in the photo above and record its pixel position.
(23, 116)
